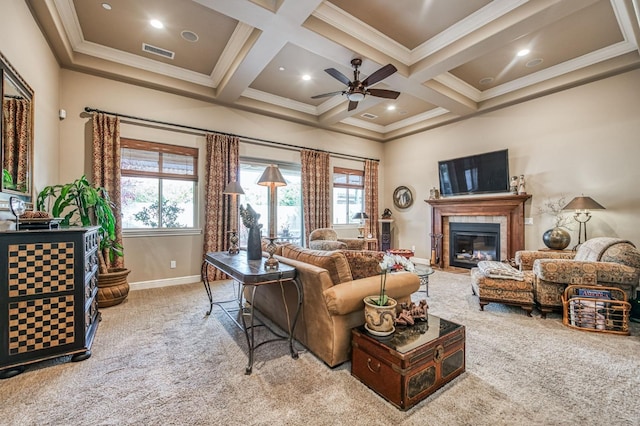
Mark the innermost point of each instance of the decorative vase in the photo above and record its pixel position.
(556, 238)
(113, 287)
(379, 320)
(254, 245)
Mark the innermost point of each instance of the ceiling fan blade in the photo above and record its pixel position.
(382, 93)
(352, 105)
(381, 74)
(338, 75)
(326, 95)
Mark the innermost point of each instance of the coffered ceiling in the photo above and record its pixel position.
(454, 58)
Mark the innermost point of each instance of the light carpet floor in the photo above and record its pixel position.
(158, 360)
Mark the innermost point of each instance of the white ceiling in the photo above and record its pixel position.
(455, 58)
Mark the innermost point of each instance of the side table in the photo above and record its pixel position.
(251, 273)
(423, 272)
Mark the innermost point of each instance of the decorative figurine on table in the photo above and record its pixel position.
(386, 214)
(410, 313)
(250, 220)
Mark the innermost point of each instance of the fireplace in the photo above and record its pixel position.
(505, 209)
(470, 243)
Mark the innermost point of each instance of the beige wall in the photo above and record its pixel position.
(149, 256)
(582, 140)
(22, 43)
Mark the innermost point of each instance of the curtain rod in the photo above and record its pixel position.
(246, 138)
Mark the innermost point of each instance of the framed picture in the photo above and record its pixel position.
(402, 197)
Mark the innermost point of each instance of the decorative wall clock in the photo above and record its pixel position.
(402, 197)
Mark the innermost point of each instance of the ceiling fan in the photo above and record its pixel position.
(357, 90)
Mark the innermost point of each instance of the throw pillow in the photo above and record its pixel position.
(334, 262)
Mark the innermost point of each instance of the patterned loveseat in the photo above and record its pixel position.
(610, 262)
(327, 239)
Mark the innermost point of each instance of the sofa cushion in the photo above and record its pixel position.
(363, 263)
(592, 249)
(335, 262)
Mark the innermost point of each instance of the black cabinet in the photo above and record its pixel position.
(385, 234)
(48, 295)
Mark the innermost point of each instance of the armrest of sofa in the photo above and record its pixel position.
(342, 299)
(526, 258)
(327, 245)
(354, 243)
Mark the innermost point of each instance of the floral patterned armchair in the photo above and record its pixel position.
(610, 262)
(327, 239)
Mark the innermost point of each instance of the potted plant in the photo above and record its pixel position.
(81, 203)
(380, 310)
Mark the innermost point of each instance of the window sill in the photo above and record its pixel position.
(164, 232)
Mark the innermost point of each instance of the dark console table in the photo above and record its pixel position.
(251, 274)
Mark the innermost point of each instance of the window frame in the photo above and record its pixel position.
(164, 148)
(348, 172)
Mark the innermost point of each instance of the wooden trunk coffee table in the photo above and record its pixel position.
(412, 363)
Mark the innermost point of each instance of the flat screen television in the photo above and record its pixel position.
(475, 174)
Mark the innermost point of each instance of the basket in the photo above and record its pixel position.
(596, 308)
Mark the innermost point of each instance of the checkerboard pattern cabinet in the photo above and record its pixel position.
(48, 296)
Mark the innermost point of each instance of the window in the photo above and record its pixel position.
(348, 195)
(158, 186)
(289, 212)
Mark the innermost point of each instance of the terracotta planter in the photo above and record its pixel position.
(379, 320)
(113, 287)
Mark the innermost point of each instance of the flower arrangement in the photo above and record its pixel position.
(390, 263)
(555, 208)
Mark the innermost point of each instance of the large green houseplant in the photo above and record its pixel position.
(83, 204)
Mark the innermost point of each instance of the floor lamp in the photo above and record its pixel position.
(234, 189)
(582, 215)
(272, 178)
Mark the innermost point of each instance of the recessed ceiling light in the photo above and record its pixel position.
(106, 6)
(391, 107)
(486, 80)
(189, 36)
(281, 69)
(534, 63)
(156, 24)
(306, 77)
(524, 52)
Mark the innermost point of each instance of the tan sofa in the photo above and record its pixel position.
(334, 284)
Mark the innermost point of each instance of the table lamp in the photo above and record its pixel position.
(272, 178)
(582, 215)
(234, 189)
(361, 216)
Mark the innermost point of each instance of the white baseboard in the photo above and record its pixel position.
(141, 285)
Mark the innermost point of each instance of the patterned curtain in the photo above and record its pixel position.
(371, 196)
(316, 190)
(106, 169)
(16, 114)
(222, 166)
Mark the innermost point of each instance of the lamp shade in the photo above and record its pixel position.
(272, 176)
(233, 188)
(361, 215)
(583, 203)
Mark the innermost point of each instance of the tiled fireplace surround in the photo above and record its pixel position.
(506, 210)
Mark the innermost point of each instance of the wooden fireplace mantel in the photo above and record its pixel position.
(511, 206)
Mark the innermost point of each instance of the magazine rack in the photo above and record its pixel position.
(596, 308)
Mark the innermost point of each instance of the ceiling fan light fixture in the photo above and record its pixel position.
(355, 96)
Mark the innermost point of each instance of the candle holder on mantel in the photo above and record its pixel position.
(271, 262)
